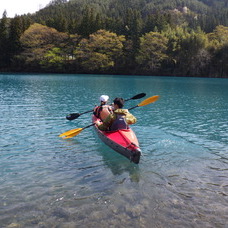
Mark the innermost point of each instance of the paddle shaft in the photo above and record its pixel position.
(74, 116)
(88, 126)
(85, 112)
(133, 107)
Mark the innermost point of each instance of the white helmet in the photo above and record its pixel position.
(104, 98)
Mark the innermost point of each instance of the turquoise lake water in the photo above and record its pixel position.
(181, 180)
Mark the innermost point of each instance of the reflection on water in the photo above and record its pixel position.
(46, 181)
(119, 164)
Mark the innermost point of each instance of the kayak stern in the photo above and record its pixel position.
(124, 142)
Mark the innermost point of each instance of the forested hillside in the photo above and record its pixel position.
(151, 37)
(113, 15)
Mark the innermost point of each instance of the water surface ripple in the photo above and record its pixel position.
(182, 178)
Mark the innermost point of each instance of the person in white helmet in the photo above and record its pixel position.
(103, 110)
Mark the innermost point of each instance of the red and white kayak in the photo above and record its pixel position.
(124, 142)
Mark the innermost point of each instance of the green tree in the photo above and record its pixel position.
(220, 61)
(191, 47)
(218, 45)
(100, 51)
(4, 41)
(133, 24)
(152, 52)
(39, 43)
(188, 51)
(218, 37)
(87, 25)
(15, 32)
(53, 59)
(62, 57)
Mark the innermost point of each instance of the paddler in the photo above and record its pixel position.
(103, 110)
(119, 119)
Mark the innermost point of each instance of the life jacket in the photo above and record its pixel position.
(102, 111)
(119, 123)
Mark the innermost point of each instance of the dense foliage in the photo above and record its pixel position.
(152, 37)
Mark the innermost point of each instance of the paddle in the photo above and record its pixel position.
(147, 101)
(138, 96)
(74, 116)
(74, 132)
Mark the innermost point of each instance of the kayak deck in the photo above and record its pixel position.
(124, 142)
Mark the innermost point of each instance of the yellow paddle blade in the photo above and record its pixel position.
(71, 133)
(67, 132)
(149, 100)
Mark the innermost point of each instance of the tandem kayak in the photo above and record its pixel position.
(124, 141)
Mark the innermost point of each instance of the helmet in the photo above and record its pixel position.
(104, 98)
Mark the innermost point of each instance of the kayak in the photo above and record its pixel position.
(124, 141)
